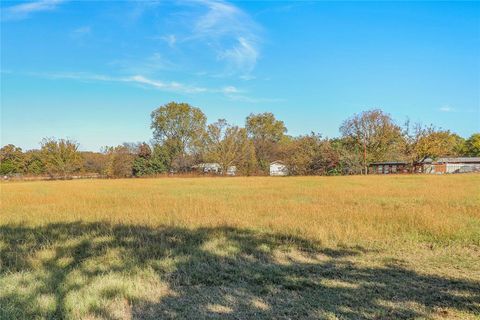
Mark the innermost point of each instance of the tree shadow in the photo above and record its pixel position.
(99, 270)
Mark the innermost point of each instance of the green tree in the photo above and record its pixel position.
(119, 160)
(228, 146)
(375, 134)
(180, 128)
(11, 159)
(141, 167)
(94, 162)
(350, 157)
(33, 163)
(472, 145)
(436, 144)
(311, 155)
(429, 142)
(141, 164)
(266, 132)
(422, 142)
(459, 145)
(61, 157)
(160, 159)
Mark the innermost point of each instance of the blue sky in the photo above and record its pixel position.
(93, 71)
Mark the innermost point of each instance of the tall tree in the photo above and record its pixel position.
(139, 160)
(94, 162)
(144, 150)
(11, 159)
(141, 164)
(375, 133)
(160, 159)
(437, 144)
(34, 164)
(350, 159)
(266, 132)
(472, 145)
(227, 145)
(179, 127)
(429, 142)
(61, 157)
(120, 160)
(310, 155)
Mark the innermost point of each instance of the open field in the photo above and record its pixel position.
(377, 247)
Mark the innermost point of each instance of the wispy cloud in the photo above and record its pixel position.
(143, 65)
(170, 86)
(231, 33)
(283, 8)
(242, 56)
(235, 94)
(139, 8)
(213, 34)
(167, 86)
(24, 10)
(170, 39)
(253, 100)
(213, 31)
(447, 109)
(230, 92)
(80, 76)
(81, 32)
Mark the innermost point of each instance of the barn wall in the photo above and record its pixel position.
(440, 168)
(456, 167)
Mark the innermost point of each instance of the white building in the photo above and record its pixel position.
(451, 165)
(208, 168)
(278, 168)
(459, 164)
(231, 170)
(215, 168)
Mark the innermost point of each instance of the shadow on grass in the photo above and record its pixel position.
(97, 270)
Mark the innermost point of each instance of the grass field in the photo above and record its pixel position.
(377, 247)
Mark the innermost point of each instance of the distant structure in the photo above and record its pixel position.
(231, 170)
(214, 168)
(388, 167)
(449, 165)
(278, 168)
(428, 165)
(208, 167)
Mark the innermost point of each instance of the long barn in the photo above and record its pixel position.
(388, 167)
(455, 165)
(428, 165)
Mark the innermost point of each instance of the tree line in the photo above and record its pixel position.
(182, 138)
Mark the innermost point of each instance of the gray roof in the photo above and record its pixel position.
(459, 160)
(388, 163)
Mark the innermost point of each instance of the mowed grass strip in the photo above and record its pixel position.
(376, 247)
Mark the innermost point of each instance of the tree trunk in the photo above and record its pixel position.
(365, 157)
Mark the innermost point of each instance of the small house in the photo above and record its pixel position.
(278, 168)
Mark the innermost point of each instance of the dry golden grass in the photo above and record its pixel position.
(331, 209)
(376, 247)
